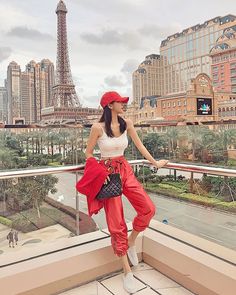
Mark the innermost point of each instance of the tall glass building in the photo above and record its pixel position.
(13, 91)
(186, 54)
(147, 79)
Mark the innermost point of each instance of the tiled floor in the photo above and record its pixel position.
(149, 282)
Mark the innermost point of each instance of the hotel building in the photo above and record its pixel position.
(147, 79)
(186, 54)
(223, 68)
(187, 64)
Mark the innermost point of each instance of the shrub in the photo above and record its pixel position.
(32, 216)
(169, 186)
(146, 171)
(70, 158)
(22, 224)
(54, 164)
(215, 185)
(209, 201)
(231, 162)
(57, 157)
(5, 221)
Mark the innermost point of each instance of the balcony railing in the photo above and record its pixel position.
(72, 171)
(212, 225)
(173, 166)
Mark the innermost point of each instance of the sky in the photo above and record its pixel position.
(107, 39)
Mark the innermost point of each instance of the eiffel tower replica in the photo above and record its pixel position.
(65, 106)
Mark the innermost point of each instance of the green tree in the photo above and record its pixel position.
(37, 160)
(72, 157)
(156, 144)
(8, 158)
(14, 144)
(226, 138)
(30, 192)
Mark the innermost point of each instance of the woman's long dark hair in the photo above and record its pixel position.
(106, 117)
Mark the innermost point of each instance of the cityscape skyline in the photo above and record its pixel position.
(94, 68)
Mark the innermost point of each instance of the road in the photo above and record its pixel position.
(213, 225)
(186, 174)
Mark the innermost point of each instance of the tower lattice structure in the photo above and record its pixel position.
(64, 94)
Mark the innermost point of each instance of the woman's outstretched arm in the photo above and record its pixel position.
(138, 143)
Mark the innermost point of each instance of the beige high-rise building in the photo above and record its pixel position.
(36, 88)
(48, 81)
(223, 66)
(13, 91)
(186, 54)
(3, 104)
(27, 98)
(34, 73)
(147, 79)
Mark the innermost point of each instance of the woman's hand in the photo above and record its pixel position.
(107, 180)
(161, 163)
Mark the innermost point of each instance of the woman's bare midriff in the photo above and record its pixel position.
(111, 157)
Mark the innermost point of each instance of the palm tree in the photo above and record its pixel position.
(172, 137)
(226, 138)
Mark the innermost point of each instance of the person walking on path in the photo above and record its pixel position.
(10, 238)
(110, 133)
(16, 236)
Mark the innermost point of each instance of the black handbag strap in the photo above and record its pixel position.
(110, 167)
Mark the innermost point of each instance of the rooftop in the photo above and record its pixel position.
(218, 19)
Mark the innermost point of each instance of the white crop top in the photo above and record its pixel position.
(112, 146)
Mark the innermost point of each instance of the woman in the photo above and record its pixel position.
(110, 133)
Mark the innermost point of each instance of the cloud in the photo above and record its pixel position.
(92, 98)
(5, 52)
(11, 15)
(113, 37)
(114, 81)
(130, 66)
(115, 7)
(132, 39)
(90, 101)
(122, 78)
(106, 37)
(159, 32)
(24, 32)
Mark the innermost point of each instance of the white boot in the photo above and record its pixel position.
(129, 283)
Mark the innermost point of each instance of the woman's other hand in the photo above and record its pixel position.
(107, 180)
(161, 163)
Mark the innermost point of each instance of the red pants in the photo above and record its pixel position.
(138, 198)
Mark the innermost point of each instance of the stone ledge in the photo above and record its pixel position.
(50, 274)
(196, 270)
(62, 270)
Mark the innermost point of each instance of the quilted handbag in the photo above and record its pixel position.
(112, 189)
